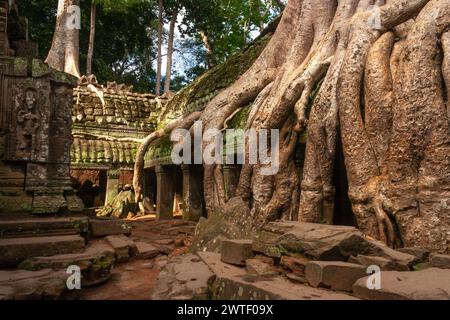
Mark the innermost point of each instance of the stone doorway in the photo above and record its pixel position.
(150, 190)
(90, 186)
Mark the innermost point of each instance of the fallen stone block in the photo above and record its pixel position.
(421, 254)
(236, 251)
(123, 246)
(183, 278)
(441, 261)
(315, 241)
(322, 242)
(146, 251)
(429, 284)
(401, 260)
(32, 285)
(260, 268)
(296, 265)
(95, 264)
(14, 251)
(335, 275)
(385, 264)
(108, 227)
(234, 283)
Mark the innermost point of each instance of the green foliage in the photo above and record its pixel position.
(125, 39)
(229, 24)
(124, 48)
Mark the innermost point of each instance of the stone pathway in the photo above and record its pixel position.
(117, 259)
(144, 259)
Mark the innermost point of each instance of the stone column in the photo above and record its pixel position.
(112, 186)
(164, 193)
(231, 179)
(192, 193)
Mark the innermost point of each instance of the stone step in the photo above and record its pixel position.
(14, 251)
(35, 285)
(103, 227)
(95, 263)
(35, 227)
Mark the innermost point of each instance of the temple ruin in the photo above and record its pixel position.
(35, 125)
(68, 150)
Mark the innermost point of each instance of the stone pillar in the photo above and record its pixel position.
(192, 193)
(164, 193)
(112, 186)
(231, 179)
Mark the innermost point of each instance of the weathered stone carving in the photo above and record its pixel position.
(28, 119)
(35, 126)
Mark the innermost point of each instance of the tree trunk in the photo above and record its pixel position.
(91, 39)
(173, 22)
(64, 52)
(160, 40)
(376, 78)
(209, 50)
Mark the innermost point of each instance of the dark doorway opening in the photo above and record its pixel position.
(343, 214)
(150, 188)
(90, 186)
(177, 178)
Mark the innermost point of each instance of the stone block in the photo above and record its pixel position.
(385, 264)
(124, 247)
(146, 250)
(236, 251)
(234, 283)
(441, 261)
(183, 278)
(25, 285)
(335, 275)
(260, 268)
(429, 284)
(296, 265)
(108, 227)
(14, 251)
(420, 253)
(95, 263)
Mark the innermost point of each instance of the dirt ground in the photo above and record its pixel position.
(134, 280)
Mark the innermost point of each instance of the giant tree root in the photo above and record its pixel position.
(378, 76)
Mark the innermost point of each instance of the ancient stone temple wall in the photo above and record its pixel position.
(35, 128)
(108, 122)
